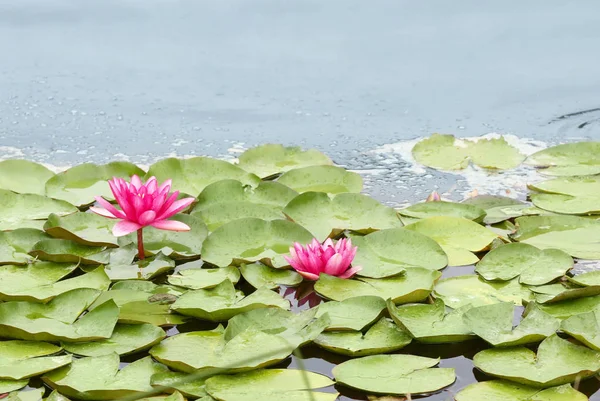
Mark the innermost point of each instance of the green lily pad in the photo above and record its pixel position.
(557, 362)
(182, 383)
(24, 176)
(471, 289)
(80, 184)
(176, 245)
(191, 176)
(175, 396)
(384, 336)
(39, 282)
(259, 275)
(458, 237)
(146, 269)
(564, 291)
(270, 159)
(389, 252)
(84, 228)
(222, 302)
(352, 313)
(270, 385)
(494, 324)
(566, 204)
(55, 396)
(99, 378)
(394, 374)
(532, 265)
(487, 202)
(571, 307)
(58, 319)
(143, 302)
(328, 179)
(500, 390)
(430, 323)
(25, 210)
(252, 240)
(495, 153)
(574, 235)
(65, 251)
(579, 158)
(444, 152)
(414, 285)
(326, 216)
(197, 279)
(24, 359)
(434, 209)
(126, 339)
(588, 279)
(15, 245)
(584, 327)
(32, 394)
(12, 385)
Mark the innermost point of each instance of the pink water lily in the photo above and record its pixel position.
(142, 205)
(326, 258)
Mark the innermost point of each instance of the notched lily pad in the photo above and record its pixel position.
(84, 228)
(24, 359)
(579, 158)
(394, 374)
(270, 159)
(197, 279)
(145, 269)
(99, 378)
(557, 362)
(251, 240)
(568, 308)
(26, 210)
(259, 275)
(65, 251)
(434, 209)
(328, 179)
(222, 302)
(584, 327)
(501, 390)
(389, 252)
(431, 323)
(181, 383)
(414, 285)
(352, 313)
(24, 176)
(494, 323)
(326, 216)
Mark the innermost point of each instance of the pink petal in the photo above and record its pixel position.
(176, 207)
(350, 272)
(328, 243)
(314, 264)
(167, 204)
(334, 265)
(309, 276)
(109, 207)
(151, 185)
(147, 217)
(136, 181)
(125, 227)
(102, 212)
(166, 186)
(171, 225)
(329, 252)
(348, 256)
(296, 265)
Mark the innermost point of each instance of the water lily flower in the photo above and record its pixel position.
(142, 205)
(326, 258)
(433, 197)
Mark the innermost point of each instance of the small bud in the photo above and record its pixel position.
(433, 197)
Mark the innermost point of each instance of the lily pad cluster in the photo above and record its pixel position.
(207, 315)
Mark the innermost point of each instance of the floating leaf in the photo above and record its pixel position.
(12, 385)
(15, 245)
(500, 390)
(571, 307)
(126, 339)
(99, 378)
(197, 279)
(324, 216)
(579, 158)
(384, 336)
(413, 286)
(352, 313)
(494, 153)
(176, 245)
(259, 275)
(557, 362)
(531, 265)
(471, 289)
(23, 176)
(24, 359)
(142, 302)
(222, 302)
(145, 269)
(181, 382)
(270, 159)
(329, 179)
(494, 323)
(568, 195)
(394, 374)
(191, 176)
(584, 327)
(434, 209)
(444, 152)
(458, 237)
(80, 184)
(431, 324)
(388, 252)
(58, 319)
(574, 235)
(38, 282)
(252, 240)
(31, 394)
(23, 210)
(65, 251)
(85, 228)
(563, 291)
